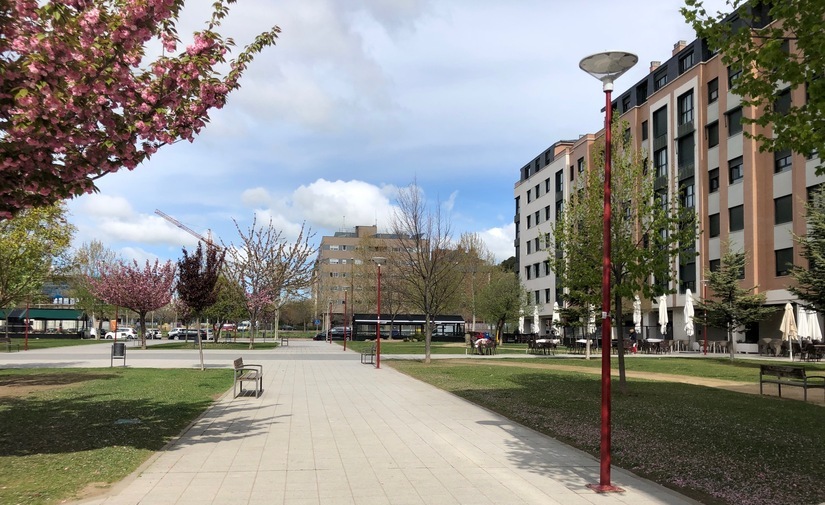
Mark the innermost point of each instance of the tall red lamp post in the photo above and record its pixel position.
(345, 319)
(378, 261)
(606, 67)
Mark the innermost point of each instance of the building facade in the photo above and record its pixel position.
(685, 120)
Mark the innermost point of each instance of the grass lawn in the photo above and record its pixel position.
(717, 446)
(44, 343)
(66, 432)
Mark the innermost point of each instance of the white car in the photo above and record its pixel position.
(123, 333)
(244, 326)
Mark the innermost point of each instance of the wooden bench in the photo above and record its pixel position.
(368, 355)
(248, 372)
(788, 376)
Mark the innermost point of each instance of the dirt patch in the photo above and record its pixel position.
(16, 386)
(90, 491)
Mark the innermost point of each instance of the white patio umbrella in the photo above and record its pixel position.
(637, 315)
(788, 327)
(591, 322)
(663, 314)
(521, 322)
(689, 313)
(557, 319)
(536, 321)
(814, 331)
(801, 322)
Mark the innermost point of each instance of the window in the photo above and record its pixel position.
(641, 93)
(659, 80)
(685, 106)
(536, 245)
(782, 104)
(529, 246)
(713, 265)
(580, 164)
(782, 209)
(644, 130)
(660, 122)
(547, 295)
(625, 103)
(538, 191)
(537, 296)
(735, 171)
(547, 186)
(784, 261)
(686, 156)
(687, 194)
(712, 133)
(536, 216)
(713, 180)
(714, 227)
(736, 218)
(733, 75)
(572, 172)
(713, 90)
(782, 161)
(687, 277)
(536, 271)
(547, 272)
(734, 119)
(559, 207)
(529, 195)
(547, 215)
(559, 181)
(529, 222)
(527, 271)
(685, 62)
(660, 162)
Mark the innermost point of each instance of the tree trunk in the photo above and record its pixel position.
(428, 337)
(200, 343)
(617, 301)
(142, 319)
(730, 343)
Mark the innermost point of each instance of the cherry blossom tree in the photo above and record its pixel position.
(78, 100)
(139, 289)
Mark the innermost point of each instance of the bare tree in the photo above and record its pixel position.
(477, 264)
(270, 269)
(426, 261)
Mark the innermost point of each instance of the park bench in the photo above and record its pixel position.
(284, 340)
(248, 372)
(788, 376)
(368, 355)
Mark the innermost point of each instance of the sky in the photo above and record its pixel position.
(359, 98)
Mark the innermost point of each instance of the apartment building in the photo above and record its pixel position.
(344, 271)
(683, 116)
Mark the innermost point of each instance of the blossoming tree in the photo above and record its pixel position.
(79, 101)
(139, 289)
(198, 278)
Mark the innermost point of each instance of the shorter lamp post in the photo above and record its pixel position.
(378, 261)
(345, 319)
(705, 313)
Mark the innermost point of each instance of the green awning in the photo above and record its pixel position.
(45, 314)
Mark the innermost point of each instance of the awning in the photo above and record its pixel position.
(45, 314)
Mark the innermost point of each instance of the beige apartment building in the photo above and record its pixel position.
(687, 122)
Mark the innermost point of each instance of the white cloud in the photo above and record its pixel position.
(106, 206)
(499, 241)
(339, 204)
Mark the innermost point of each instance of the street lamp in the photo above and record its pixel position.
(705, 315)
(606, 67)
(378, 261)
(345, 319)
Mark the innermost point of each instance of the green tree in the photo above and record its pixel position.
(230, 305)
(730, 306)
(810, 281)
(650, 230)
(509, 264)
(30, 245)
(86, 262)
(502, 300)
(790, 50)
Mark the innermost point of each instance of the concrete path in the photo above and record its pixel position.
(329, 430)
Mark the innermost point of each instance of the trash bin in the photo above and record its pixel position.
(118, 352)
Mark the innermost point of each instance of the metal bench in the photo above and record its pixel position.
(788, 376)
(368, 355)
(248, 372)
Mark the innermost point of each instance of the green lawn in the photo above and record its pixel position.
(401, 347)
(718, 446)
(44, 343)
(240, 345)
(65, 430)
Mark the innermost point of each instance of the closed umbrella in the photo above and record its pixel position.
(689, 313)
(591, 323)
(637, 314)
(536, 319)
(663, 314)
(814, 331)
(788, 327)
(521, 322)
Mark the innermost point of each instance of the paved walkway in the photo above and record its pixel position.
(329, 430)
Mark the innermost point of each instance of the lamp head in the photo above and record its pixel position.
(608, 66)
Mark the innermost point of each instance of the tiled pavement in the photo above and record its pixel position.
(331, 431)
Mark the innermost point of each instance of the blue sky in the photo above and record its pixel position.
(361, 97)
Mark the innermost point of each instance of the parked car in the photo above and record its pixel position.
(186, 334)
(337, 333)
(229, 327)
(123, 333)
(244, 326)
(320, 336)
(153, 334)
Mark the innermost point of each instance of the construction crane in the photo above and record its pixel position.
(207, 241)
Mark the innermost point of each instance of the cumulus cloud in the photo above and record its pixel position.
(337, 204)
(499, 241)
